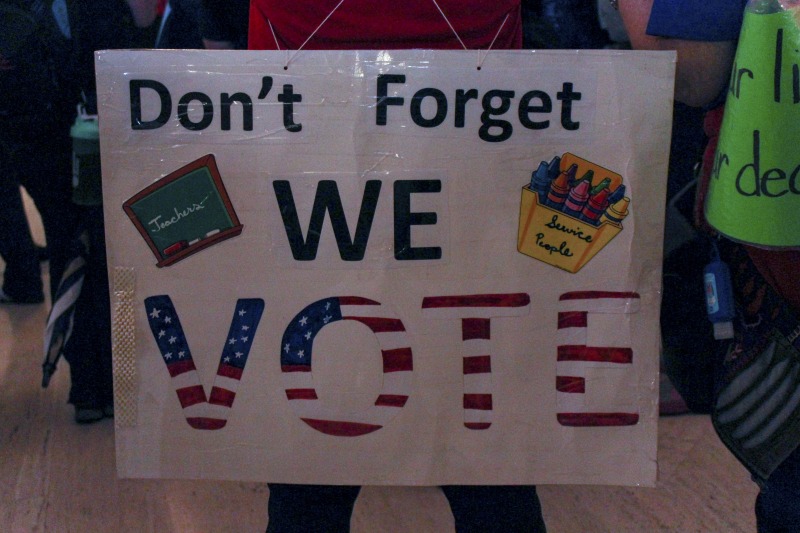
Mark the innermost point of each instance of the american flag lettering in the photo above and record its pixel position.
(476, 312)
(296, 364)
(203, 412)
(575, 310)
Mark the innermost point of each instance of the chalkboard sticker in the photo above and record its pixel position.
(184, 212)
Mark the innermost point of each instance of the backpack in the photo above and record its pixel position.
(757, 401)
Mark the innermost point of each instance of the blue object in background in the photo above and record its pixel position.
(719, 297)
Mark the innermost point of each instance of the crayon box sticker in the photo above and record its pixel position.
(569, 211)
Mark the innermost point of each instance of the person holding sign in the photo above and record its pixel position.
(747, 198)
(367, 24)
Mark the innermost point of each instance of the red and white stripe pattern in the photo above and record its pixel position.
(574, 356)
(298, 377)
(203, 412)
(476, 312)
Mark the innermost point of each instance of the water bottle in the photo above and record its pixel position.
(86, 187)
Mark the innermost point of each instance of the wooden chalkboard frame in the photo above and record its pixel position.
(210, 163)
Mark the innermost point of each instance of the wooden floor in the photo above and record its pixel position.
(56, 476)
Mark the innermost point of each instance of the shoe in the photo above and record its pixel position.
(108, 411)
(87, 415)
(41, 253)
(6, 298)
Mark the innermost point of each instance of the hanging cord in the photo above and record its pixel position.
(277, 44)
(451, 26)
(496, 35)
(290, 58)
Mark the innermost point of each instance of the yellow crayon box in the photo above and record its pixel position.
(559, 228)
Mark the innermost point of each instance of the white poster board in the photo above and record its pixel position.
(474, 256)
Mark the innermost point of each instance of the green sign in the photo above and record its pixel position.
(754, 193)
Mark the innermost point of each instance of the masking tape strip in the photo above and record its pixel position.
(123, 336)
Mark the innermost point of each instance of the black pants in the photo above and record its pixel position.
(89, 349)
(22, 279)
(778, 502)
(43, 166)
(477, 509)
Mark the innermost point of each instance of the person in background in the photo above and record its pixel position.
(98, 26)
(563, 25)
(575, 23)
(765, 285)
(180, 25)
(22, 278)
(36, 105)
(688, 344)
(224, 23)
(367, 24)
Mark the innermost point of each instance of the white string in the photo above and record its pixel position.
(313, 33)
(277, 44)
(496, 35)
(448, 23)
(289, 58)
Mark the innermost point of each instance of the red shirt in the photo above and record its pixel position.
(379, 24)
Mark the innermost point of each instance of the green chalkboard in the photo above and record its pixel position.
(184, 212)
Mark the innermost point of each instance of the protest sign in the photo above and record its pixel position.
(754, 193)
(386, 267)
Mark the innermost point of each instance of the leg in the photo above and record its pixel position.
(45, 173)
(778, 503)
(22, 279)
(89, 348)
(500, 509)
(310, 508)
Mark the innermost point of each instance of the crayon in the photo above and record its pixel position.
(554, 168)
(589, 176)
(595, 207)
(540, 180)
(577, 198)
(600, 186)
(572, 173)
(559, 188)
(175, 248)
(617, 195)
(616, 212)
